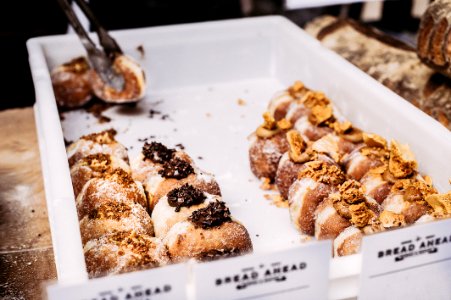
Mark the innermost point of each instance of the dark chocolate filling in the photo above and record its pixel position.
(176, 168)
(215, 214)
(157, 152)
(185, 196)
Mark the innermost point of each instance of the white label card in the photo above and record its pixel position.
(297, 273)
(156, 284)
(409, 263)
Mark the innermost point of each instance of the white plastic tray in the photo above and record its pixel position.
(196, 74)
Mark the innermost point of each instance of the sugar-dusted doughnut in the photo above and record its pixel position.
(117, 186)
(208, 234)
(101, 142)
(93, 166)
(113, 216)
(123, 251)
(177, 206)
(348, 242)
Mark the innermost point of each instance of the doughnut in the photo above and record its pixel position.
(328, 222)
(122, 252)
(118, 186)
(334, 146)
(408, 197)
(292, 162)
(102, 142)
(115, 216)
(315, 182)
(348, 242)
(267, 146)
(283, 102)
(94, 166)
(177, 206)
(309, 131)
(71, 83)
(161, 170)
(208, 234)
(134, 82)
(376, 186)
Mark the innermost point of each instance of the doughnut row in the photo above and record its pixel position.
(115, 202)
(340, 182)
(186, 206)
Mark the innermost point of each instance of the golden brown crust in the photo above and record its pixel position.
(185, 241)
(402, 162)
(264, 155)
(323, 172)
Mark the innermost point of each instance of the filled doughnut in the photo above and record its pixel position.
(123, 251)
(267, 145)
(118, 186)
(208, 234)
(102, 142)
(71, 83)
(134, 82)
(315, 183)
(115, 216)
(94, 166)
(177, 206)
(348, 242)
(328, 222)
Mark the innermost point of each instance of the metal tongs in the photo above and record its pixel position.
(100, 60)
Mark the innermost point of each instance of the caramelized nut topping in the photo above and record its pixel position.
(104, 137)
(374, 141)
(390, 219)
(269, 122)
(157, 152)
(320, 114)
(215, 214)
(312, 99)
(440, 203)
(121, 177)
(341, 127)
(137, 243)
(360, 214)
(351, 192)
(111, 211)
(413, 190)
(185, 196)
(269, 127)
(176, 168)
(296, 87)
(284, 124)
(97, 162)
(402, 162)
(323, 172)
(340, 206)
(297, 146)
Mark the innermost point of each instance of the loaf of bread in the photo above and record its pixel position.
(391, 62)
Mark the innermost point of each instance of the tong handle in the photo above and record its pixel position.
(109, 44)
(88, 44)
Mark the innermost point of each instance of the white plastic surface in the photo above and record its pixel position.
(197, 73)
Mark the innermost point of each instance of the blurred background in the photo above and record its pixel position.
(21, 20)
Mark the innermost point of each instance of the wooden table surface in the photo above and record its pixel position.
(26, 254)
